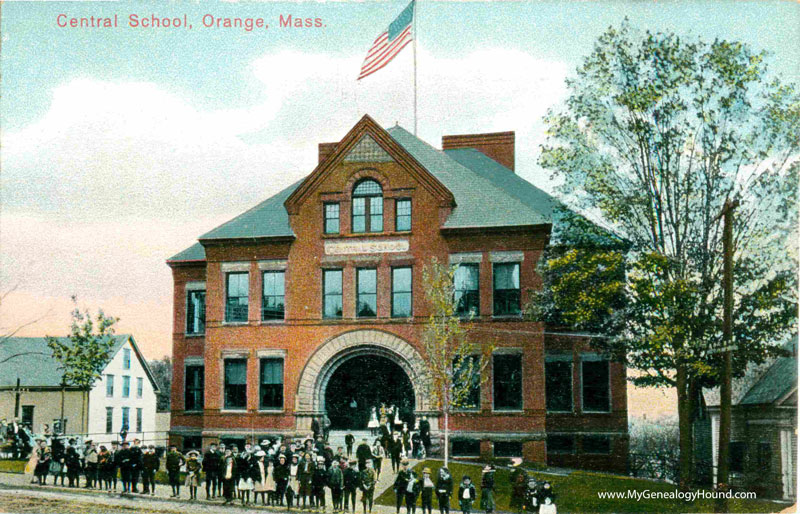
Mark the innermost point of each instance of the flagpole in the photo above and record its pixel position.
(415, 68)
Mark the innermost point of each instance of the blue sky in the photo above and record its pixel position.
(121, 146)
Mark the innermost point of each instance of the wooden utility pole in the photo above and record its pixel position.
(723, 453)
(16, 400)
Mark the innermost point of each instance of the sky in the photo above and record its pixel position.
(120, 146)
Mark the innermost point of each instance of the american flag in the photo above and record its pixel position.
(390, 43)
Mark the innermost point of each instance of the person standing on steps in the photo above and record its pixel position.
(425, 434)
(378, 453)
(349, 441)
(363, 454)
(395, 449)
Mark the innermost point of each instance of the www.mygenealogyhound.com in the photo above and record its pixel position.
(689, 496)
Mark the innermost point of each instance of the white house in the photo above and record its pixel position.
(124, 395)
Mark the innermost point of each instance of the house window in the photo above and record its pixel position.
(367, 207)
(27, 416)
(331, 218)
(466, 447)
(271, 383)
(402, 215)
(468, 370)
(508, 449)
(236, 300)
(193, 391)
(558, 383)
(506, 289)
(126, 358)
(559, 443)
(465, 289)
(272, 302)
(109, 386)
(109, 420)
(196, 312)
(126, 386)
(595, 386)
(236, 383)
(126, 416)
(737, 451)
(332, 293)
(507, 372)
(138, 419)
(367, 293)
(401, 293)
(139, 387)
(599, 444)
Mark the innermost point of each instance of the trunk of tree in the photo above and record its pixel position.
(446, 412)
(684, 427)
(693, 389)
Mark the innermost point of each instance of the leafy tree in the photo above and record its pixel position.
(162, 372)
(455, 364)
(85, 353)
(656, 134)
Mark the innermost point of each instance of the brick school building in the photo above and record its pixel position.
(312, 302)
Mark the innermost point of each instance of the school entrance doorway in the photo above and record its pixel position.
(365, 381)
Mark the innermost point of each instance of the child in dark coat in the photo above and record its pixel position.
(466, 494)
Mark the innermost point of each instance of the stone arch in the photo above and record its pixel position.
(310, 397)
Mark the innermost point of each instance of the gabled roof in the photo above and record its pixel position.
(31, 360)
(196, 252)
(368, 126)
(777, 382)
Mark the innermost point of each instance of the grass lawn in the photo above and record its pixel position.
(578, 492)
(12, 466)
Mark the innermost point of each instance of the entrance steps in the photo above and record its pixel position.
(336, 438)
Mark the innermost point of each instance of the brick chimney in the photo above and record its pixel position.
(325, 149)
(495, 145)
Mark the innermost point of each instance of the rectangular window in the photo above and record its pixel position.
(126, 386)
(466, 447)
(109, 420)
(236, 296)
(272, 302)
(508, 449)
(507, 372)
(466, 291)
(332, 293)
(138, 419)
(109, 386)
(737, 451)
(506, 289)
(402, 215)
(558, 383)
(126, 358)
(236, 383)
(401, 293)
(366, 292)
(376, 214)
(558, 443)
(27, 416)
(139, 387)
(271, 383)
(331, 218)
(599, 444)
(595, 386)
(196, 312)
(469, 370)
(126, 417)
(193, 392)
(359, 215)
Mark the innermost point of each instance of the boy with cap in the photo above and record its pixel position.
(400, 485)
(211, 464)
(412, 492)
(123, 460)
(487, 489)
(427, 491)
(174, 462)
(281, 474)
(90, 458)
(367, 484)
(444, 490)
(114, 462)
(228, 475)
(136, 464)
(466, 494)
(336, 483)
(150, 464)
(318, 482)
(350, 485)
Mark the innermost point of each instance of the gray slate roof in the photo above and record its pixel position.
(778, 381)
(35, 365)
(487, 194)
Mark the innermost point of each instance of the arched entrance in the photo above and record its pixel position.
(362, 382)
(311, 398)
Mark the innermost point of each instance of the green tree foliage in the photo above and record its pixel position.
(455, 363)
(86, 351)
(162, 372)
(656, 134)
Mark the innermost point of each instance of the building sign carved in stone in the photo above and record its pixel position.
(361, 246)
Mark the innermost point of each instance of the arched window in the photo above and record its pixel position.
(368, 207)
